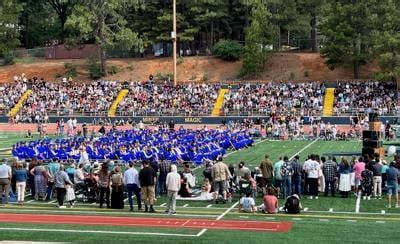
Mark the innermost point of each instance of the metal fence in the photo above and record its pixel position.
(35, 52)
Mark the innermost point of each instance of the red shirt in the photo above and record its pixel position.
(270, 203)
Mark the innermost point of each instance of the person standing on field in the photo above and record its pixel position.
(173, 183)
(147, 179)
(220, 174)
(267, 172)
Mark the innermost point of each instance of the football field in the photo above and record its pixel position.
(327, 220)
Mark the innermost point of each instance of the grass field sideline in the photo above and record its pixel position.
(340, 224)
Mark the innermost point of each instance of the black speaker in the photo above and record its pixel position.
(368, 151)
(372, 143)
(371, 135)
(373, 117)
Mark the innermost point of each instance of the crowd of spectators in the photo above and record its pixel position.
(364, 97)
(275, 99)
(155, 99)
(9, 96)
(68, 98)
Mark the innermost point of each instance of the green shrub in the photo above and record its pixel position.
(113, 70)
(228, 50)
(205, 77)
(163, 76)
(9, 58)
(193, 77)
(179, 60)
(70, 70)
(94, 68)
(306, 73)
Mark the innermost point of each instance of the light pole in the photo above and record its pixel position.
(174, 36)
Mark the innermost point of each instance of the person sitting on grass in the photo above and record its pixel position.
(185, 191)
(247, 204)
(292, 204)
(392, 175)
(270, 202)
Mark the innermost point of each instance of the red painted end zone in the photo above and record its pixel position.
(148, 222)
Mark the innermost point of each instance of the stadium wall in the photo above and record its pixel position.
(203, 120)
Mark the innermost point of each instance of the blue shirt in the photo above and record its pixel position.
(392, 175)
(21, 175)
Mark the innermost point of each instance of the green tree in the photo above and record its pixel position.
(386, 39)
(101, 20)
(259, 41)
(228, 50)
(10, 11)
(34, 31)
(347, 27)
(313, 8)
(212, 17)
(63, 8)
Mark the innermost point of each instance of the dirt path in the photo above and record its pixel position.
(281, 66)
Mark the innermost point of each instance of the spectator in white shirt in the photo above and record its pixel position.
(312, 169)
(247, 204)
(79, 176)
(5, 179)
(131, 181)
(173, 183)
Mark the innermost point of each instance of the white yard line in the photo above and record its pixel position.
(353, 213)
(209, 206)
(304, 148)
(162, 205)
(104, 212)
(228, 210)
(184, 206)
(358, 202)
(219, 217)
(201, 232)
(102, 232)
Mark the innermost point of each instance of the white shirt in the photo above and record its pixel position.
(79, 176)
(84, 158)
(173, 181)
(131, 176)
(247, 204)
(312, 168)
(5, 171)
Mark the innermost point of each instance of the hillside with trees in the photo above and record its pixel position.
(347, 34)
